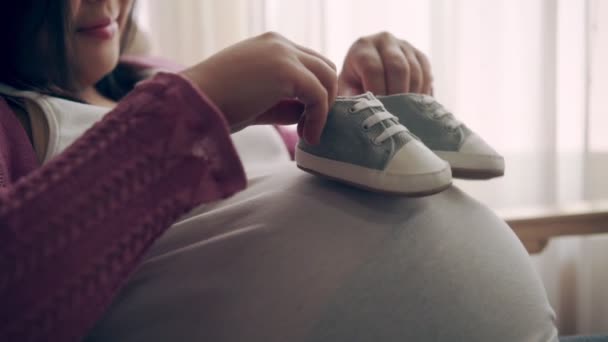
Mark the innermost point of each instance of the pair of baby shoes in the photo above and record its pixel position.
(406, 144)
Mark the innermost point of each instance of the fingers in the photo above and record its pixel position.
(416, 79)
(367, 64)
(403, 72)
(308, 77)
(384, 65)
(315, 88)
(427, 75)
(318, 72)
(318, 91)
(326, 75)
(318, 55)
(309, 89)
(397, 69)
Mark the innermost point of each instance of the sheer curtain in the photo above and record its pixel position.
(528, 75)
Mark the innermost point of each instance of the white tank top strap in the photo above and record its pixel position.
(66, 120)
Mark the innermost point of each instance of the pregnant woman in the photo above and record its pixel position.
(128, 211)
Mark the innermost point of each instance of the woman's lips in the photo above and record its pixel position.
(105, 29)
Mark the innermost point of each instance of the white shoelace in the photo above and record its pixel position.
(377, 118)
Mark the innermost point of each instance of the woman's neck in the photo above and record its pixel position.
(92, 96)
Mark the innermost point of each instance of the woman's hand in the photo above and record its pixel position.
(249, 80)
(384, 65)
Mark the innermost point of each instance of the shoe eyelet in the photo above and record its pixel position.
(351, 110)
(365, 128)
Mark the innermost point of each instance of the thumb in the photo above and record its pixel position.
(285, 112)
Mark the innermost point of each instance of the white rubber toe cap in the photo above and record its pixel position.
(475, 160)
(419, 168)
(414, 158)
(475, 145)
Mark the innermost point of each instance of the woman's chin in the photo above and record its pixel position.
(91, 53)
(91, 70)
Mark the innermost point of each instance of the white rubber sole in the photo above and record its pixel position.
(375, 180)
(473, 166)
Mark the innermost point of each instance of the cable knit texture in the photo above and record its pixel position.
(72, 230)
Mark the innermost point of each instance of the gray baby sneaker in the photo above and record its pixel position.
(469, 156)
(364, 145)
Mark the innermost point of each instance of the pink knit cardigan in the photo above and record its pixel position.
(72, 230)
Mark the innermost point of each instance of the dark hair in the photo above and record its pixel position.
(33, 34)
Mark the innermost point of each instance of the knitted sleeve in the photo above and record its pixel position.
(73, 230)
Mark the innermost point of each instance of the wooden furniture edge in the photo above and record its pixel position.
(535, 227)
